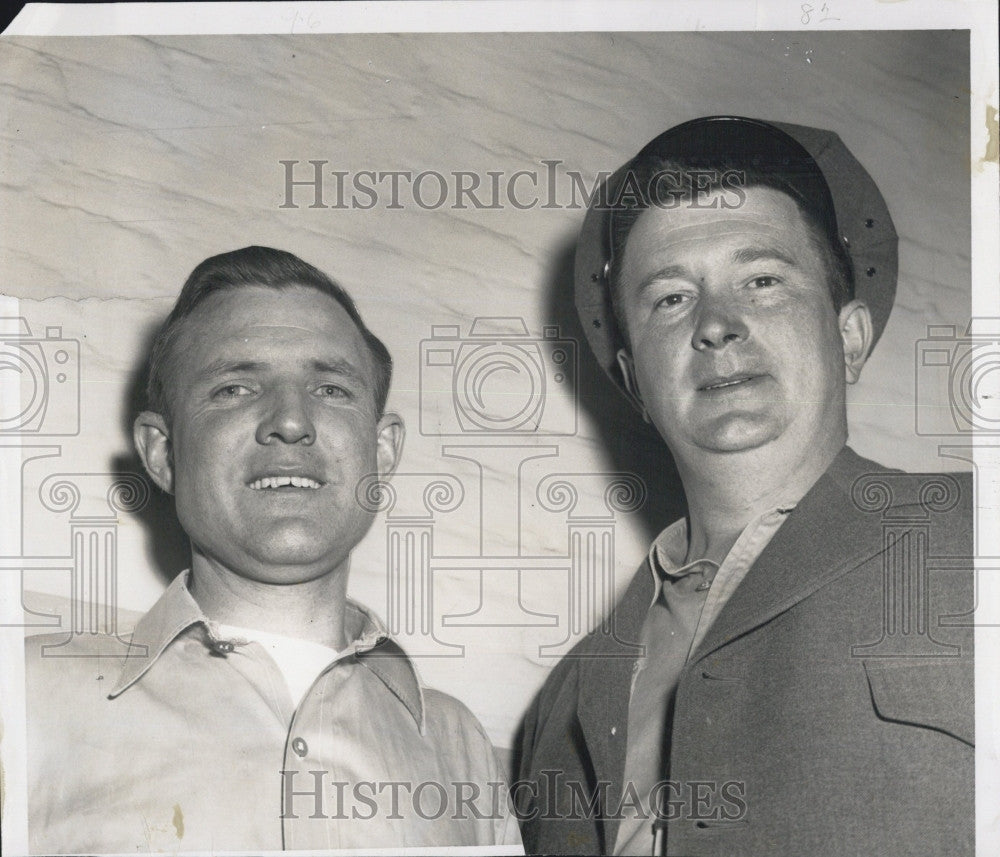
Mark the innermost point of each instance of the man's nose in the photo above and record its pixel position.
(287, 418)
(718, 323)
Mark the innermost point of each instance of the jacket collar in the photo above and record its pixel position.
(778, 579)
(176, 611)
(783, 575)
(806, 553)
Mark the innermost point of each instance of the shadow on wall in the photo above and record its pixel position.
(167, 549)
(630, 444)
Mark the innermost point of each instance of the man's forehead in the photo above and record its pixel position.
(260, 311)
(260, 333)
(756, 204)
(297, 324)
(765, 216)
(721, 227)
(266, 304)
(269, 328)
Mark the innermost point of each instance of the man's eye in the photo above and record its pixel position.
(764, 282)
(673, 299)
(231, 391)
(332, 391)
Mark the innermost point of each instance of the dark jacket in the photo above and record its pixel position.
(828, 710)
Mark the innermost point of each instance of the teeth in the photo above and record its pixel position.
(283, 482)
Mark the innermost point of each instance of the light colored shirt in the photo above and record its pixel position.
(192, 742)
(300, 661)
(687, 599)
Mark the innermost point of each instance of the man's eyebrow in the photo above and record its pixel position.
(334, 366)
(228, 367)
(747, 255)
(669, 272)
(339, 366)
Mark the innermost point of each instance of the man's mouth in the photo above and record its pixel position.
(266, 482)
(730, 381)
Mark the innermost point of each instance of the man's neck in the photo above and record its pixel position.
(313, 610)
(726, 492)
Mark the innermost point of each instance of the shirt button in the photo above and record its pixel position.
(300, 746)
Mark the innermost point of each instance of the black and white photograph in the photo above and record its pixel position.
(500, 428)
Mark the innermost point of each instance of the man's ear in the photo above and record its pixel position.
(857, 334)
(627, 366)
(391, 432)
(152, 440)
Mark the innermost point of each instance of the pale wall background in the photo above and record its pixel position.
(126, 161)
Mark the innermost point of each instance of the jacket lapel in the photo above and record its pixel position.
(806, 553)
(604, 690)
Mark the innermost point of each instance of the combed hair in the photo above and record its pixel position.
(250, 266)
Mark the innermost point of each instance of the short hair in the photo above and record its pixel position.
(251, 266)
(691, 177)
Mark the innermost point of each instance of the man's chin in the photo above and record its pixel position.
(287, 568)
(281, 560)
(737, 432)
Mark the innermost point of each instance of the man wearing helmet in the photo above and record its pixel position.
(797, 692)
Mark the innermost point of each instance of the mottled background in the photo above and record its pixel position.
(126, 161)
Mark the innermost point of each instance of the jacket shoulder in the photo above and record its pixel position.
(936, 496)
(875, 489)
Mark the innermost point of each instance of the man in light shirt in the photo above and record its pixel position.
(805, 684)
(259, 708)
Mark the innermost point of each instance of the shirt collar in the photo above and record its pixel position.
(669, 549)
(176, 611)
(384, 657)
(666, 554)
